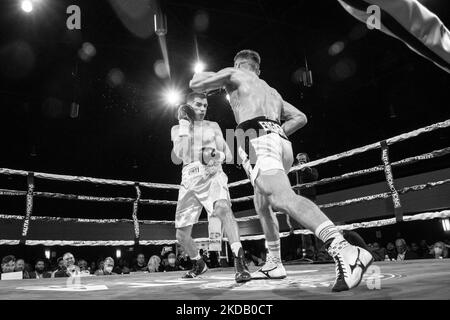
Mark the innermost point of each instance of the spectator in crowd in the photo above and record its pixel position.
(107, 270)
(83, 265)
(403, 253)
(184, 261)
(439, 251)
(378, 252)
(171, 263)
(425, 249)
(204, 255)
(154, 264)
(140, 264)
(416, 249)
(93, 267)
(391, 252)
(39, 270)
(121, 267)
(68, 268)
(20, 267)
(8, 264)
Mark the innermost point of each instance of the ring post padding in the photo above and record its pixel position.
(135, 212)
(29, 207)
(390, 181)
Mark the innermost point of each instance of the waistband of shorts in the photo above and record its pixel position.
(254, 124)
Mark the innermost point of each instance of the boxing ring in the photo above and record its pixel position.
(396, 280)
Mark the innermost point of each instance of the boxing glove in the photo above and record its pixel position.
(186, 117)
(211, 154)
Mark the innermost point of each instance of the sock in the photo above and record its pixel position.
(327, 232)
(235, 248)
(274, 248)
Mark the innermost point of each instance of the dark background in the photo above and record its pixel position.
(374, 89)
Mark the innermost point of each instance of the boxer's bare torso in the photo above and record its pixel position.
(251, 97)
(204, 134)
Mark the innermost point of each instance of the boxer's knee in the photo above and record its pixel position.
(222, 209)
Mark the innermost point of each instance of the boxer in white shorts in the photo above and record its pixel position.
(202, 148)
(259, 111)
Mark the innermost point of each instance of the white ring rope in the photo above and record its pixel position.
(353, 226)
(346, 154)
(386, 166)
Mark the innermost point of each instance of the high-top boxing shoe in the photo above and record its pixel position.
(272, 269)
(351, 264)
(199, 268)
(242, 273)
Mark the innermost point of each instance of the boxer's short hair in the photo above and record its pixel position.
(191, 96)
(249, 55)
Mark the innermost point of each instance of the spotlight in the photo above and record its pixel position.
(118, 253)
(172, 97)
(47, 254)
(27, 6)
(446, 225)
(199, 67)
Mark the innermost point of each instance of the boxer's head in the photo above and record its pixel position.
(248, 60)
(199, 103)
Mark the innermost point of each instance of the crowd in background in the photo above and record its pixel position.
(168, 261)
(68, 265)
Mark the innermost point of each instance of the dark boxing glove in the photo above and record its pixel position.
(186, 117)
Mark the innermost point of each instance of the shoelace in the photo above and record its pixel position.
(340, 272)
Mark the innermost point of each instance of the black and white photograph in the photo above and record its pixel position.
(222, 158)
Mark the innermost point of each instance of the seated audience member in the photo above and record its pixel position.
(171, 263)
(154, 264)
(121, 267)
(391, 252)
(140, 264)
(415, 248)
(83, 265)
(93, 267)
(214, 257)
(39, 270)
(68, 268)
(378, 252)
(20, 266)
(426, 249)
(439, 251)
(8, 264)
(108, 266)
(184, 262)
(403, 252)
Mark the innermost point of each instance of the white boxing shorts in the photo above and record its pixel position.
(268, 147)
(201, 186)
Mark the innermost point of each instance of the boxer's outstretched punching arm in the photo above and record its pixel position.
(209, 81)
(294, 118)
(221, 144)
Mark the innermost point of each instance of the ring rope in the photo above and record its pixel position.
(353, 226)
(68, 178)
(346, 154)
(385, 195)
(410, 160)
